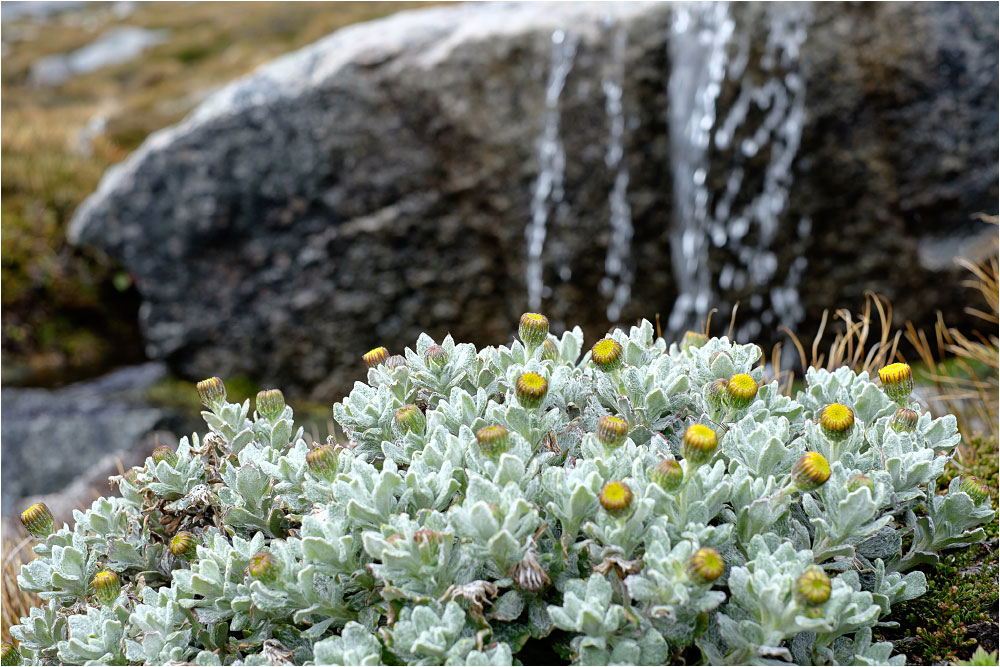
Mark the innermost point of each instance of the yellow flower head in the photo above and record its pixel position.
(607, 354)
(531, 389)
(615, 496)
(836, 420)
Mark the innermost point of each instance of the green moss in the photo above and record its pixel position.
(958, 611)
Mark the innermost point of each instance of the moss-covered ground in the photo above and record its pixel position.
(958, 614)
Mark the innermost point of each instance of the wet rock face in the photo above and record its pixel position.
(379, 183)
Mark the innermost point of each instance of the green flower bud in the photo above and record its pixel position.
(810, 472)
(436, 356)
(857, 481)
(607, 355)
(184, 545)
(164, 453)
(533, 329)
(38, 520)
(531, 389)
(699, 444)
(493, 440)
(693, 340)
(410, 418)
(106, 587)
(706, 565)
(836, 421)
(897, 381)
(813, 586)
(905, 420)
(270, 403)
(717, 394)
(550, 351)
(212, 392)
(976, 489)
(667, 474)
(612, 431)
(741, 390)
(264, 567)
(322, 462)
(9, 655)
(373, 358)
(615, 497)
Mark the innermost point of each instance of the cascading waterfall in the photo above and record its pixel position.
(701, 34)
(782, 97)
(617, 282)
(548, 190)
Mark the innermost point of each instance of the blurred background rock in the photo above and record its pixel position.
(445, 170)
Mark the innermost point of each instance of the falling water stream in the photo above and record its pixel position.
(701, 36)
(548, 189)
(617, 281)
(742, 218)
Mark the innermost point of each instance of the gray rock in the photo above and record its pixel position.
(52, 437)
(380, 182)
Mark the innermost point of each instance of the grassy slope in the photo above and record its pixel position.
(68, 313)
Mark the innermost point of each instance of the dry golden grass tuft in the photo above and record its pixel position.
(16, 552)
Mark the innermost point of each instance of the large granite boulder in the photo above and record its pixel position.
(444, 170)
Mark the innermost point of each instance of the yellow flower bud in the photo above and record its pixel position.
(699, 444)
(184, 545)
(615, 497)
(212, 392)
(373, 358)
(106, 587)
(810, 472)
(836, 420)
(905, 420)
(813, 586)
(741, 390)
(493, 440)
(533, 329)
(38, 520)
(668, 474)
(897, 381)
(612, 431)
(706, 565)
(531, 389)
(607, 355)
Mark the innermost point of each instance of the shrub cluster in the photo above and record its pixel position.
(636, 505)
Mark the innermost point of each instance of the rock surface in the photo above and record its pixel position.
(52, 437)
(379, 182)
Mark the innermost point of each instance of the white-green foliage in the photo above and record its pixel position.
(417, 547)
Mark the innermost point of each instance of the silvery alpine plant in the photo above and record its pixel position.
(639, 504)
